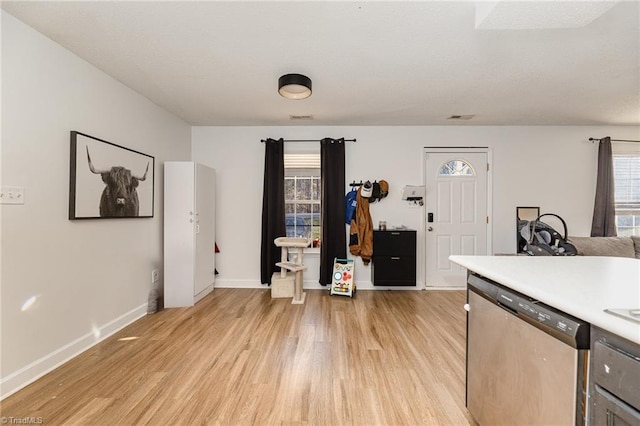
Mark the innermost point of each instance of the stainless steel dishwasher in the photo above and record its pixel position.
(526, 362)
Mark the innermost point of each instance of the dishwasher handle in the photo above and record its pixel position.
(507, 308)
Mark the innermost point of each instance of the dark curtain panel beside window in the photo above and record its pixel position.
(334, 241)
(604, 210)
(273, 225)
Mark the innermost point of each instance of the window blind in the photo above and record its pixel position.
(626, 171)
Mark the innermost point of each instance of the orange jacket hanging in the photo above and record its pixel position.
(361, 230)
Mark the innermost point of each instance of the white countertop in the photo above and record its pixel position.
(582, 286)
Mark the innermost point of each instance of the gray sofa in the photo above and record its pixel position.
(607, 246)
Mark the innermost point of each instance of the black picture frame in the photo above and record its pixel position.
(109, 181)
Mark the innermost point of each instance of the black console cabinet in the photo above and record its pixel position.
(394, 258)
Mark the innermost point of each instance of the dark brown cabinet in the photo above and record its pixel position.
(394, 258)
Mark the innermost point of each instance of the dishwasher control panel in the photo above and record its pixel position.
(560, 322)
(565, 327)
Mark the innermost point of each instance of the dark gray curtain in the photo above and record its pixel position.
(334, 241)
(604, 212)
(273, 225)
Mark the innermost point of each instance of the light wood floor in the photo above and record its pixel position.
(239, 357)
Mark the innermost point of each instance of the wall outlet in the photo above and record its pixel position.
(12, 195)
(155, 275)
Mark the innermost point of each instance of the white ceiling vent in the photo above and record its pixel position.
(461, 117)
(301, 117)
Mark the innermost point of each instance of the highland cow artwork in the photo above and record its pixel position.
(109, 181)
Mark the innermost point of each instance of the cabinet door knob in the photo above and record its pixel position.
(430, 229)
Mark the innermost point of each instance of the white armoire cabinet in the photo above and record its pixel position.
(189, 232)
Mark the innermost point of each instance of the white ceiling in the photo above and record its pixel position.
(371, 62)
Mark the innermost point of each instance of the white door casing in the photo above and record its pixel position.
(456, 183)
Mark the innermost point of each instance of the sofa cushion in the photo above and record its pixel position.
(636, 244)
(604, 246)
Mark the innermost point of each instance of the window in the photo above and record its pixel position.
(456, 168)
(626, 173)
(302, 196)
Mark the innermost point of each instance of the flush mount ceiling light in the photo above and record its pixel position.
(294, 86)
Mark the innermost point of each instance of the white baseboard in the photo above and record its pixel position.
(32, 372)
(445, 288)
(311, 285)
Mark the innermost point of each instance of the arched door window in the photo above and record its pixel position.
(456, 168)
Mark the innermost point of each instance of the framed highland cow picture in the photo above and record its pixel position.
(109, 181)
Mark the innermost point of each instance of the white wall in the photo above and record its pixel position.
(93, 276)
(551, 167)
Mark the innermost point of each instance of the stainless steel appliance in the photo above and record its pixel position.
(614, 385)
(526, 361)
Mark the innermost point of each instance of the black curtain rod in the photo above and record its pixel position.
(612, 140)
(307, 140)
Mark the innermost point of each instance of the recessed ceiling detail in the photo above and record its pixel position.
(528, 15)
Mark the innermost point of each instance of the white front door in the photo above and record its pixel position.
(456, 212)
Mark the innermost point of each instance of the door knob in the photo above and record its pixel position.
(430, 229)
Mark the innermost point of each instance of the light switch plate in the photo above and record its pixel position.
(12, 195)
